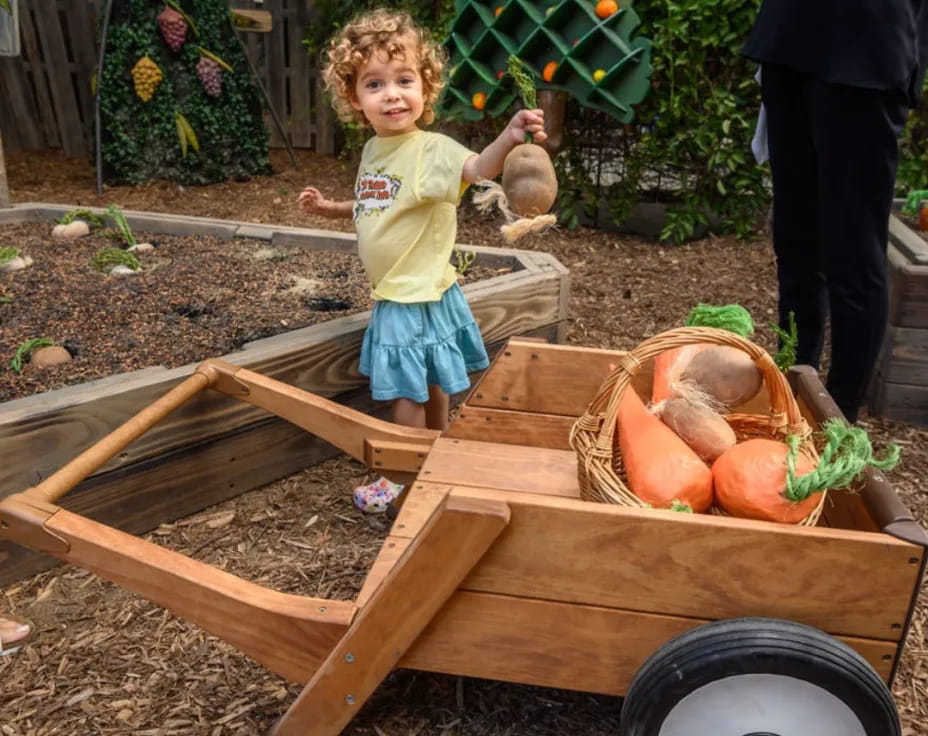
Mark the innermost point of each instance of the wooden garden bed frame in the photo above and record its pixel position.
(494, 567)
(215, 447)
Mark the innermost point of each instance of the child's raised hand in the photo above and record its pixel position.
(527, 122)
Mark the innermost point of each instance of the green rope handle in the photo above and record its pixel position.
(847, 452)
(786, 355)
(23, 351)
(731, 317)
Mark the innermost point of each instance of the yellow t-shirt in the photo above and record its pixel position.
(405, 212)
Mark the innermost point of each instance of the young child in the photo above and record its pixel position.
(422, 340)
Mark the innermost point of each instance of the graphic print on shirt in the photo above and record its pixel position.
(375, 192)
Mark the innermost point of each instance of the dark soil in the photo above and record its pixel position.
(193, 298)
(107, 662)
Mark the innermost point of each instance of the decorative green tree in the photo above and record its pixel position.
(177, 100)
(582, 47)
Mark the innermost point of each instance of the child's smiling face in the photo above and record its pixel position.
(389, 93)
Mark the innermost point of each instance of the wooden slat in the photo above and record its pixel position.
(18, 105)
(426, 575)
(321, 359)
(139, 497)
(700, 566)
(418, 508)
(4, 187)
(561, 645)
(289, 634)
(504, 467)
(511, 427)
(274, 68)
(65, 104)
(391, 551)
(82, 33)
(300, 76)
(906, 358)
(44, 111)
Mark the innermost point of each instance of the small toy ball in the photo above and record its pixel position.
(548, 72)
(501, 73)
(479, 100)
(498, 10)
(599, 74)
(605, 8)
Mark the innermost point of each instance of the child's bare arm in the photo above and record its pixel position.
(489, 163)
(311, 200)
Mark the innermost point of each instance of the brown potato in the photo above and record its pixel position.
(704, 430)
(727, 374)
(529, 180)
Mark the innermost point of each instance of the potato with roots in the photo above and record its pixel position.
(529, 186)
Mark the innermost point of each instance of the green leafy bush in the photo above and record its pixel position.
(140, 139)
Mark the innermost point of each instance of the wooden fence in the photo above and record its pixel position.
(45, 93)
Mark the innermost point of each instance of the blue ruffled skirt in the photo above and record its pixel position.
(409, 347)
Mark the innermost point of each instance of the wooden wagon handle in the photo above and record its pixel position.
(68, 476)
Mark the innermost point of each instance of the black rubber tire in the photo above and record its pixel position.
(755, 646)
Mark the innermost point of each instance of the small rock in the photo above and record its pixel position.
(141, 248)
(15, 264)
(50, 355)
(73, 231)
(121, 270)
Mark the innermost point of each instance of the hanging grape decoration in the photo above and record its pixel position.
(146, 77)
(210, 76)
(173, 27)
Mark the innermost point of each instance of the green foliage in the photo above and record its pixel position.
(21, 355)
(106, 258)
(690, 147)
(913, 201)
(5, 4)
(8, 253)
(786, 355)
(463, 260)
(140, 139)
(91, 218)
(121, 224)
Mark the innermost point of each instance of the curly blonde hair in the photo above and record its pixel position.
(380, 31)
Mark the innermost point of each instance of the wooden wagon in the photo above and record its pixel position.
(495, 568)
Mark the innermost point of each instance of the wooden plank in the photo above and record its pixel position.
(139, 497)
(418, 508)
(901, 402)
(82, 33)
(4, 187)
(300, 76)
(426, 575)
(564, 379)
(906, 356)
(289, 634)
(908, 290)
(324, 119)
(511, 427)
(62, 90)
(700, 566)
(321, 359)
(20, 117)
(275, 68)
(41, 105)
(506, 467)
(561, 645)
(390, 553)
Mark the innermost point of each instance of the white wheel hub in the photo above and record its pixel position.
(761, 705)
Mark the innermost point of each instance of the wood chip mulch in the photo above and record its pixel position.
(107, 662)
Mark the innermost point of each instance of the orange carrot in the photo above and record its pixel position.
(660, 467)
(750, 482)
(668, 366)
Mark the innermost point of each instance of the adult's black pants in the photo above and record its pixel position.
(833, 157)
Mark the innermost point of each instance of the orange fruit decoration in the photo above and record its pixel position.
(605, 8)
(498, 10)
(479, 100)
(548, 72)
(599, 74)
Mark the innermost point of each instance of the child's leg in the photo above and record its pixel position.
(409, 413)
(436, 409)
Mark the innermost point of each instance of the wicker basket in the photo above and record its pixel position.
(593, 436)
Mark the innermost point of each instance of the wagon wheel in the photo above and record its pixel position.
(757, 677)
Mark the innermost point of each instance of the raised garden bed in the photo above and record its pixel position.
(216, 447)
(900, 387)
